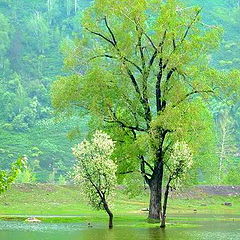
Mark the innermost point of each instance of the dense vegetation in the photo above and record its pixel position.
(32, 34)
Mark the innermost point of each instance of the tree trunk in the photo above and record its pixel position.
(155, 202)
(155, 185)
(110, 222)
(164, 211)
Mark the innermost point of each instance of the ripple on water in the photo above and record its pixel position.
(40, 227)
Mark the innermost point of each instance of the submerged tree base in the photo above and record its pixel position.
(153, 220)
(163, 224)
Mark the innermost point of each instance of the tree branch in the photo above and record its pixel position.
(192, 93)
(127, 172)
(148, 164)
(103, 55)
(151, 41)
(140, 34)
(156, 50)
(110, 31)
(122, 124)
(134, 64)
(113, 57)
(101, 35)
(190, 26)
(169, 75)
(175, 46)
(143, 172)
(113, 42)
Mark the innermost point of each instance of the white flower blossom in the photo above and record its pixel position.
(181, 160)
(94, 168)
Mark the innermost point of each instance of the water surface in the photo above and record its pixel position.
(199, 228)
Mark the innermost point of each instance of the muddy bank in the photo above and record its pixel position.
(220, 190)
(201, 191)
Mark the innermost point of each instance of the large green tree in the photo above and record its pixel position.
(142, 69)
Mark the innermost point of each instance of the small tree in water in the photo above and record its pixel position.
(178, 164)
(96, 171)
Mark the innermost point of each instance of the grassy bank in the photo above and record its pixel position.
(66, 204)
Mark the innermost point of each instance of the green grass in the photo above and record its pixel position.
(69, 205)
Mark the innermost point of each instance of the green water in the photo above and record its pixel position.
(227, 229)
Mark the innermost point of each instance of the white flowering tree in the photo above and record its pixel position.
(96, 171)
(178, 164)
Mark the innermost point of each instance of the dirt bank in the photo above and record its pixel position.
(201, 191)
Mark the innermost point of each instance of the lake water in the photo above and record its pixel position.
(227, 229)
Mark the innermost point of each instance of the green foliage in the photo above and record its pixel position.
(231, 175)
(38, 27)
(133, 185)
(62, 180)
(26, 176)
(44, 151)
(52, 177)
(4, 36)
(30, 35)
(8, 176)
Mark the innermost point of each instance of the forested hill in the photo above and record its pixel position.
(31, 33)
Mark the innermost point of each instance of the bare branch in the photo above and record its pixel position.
(139, 44)
(169, 75)
(134, 82)
(169, 169)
